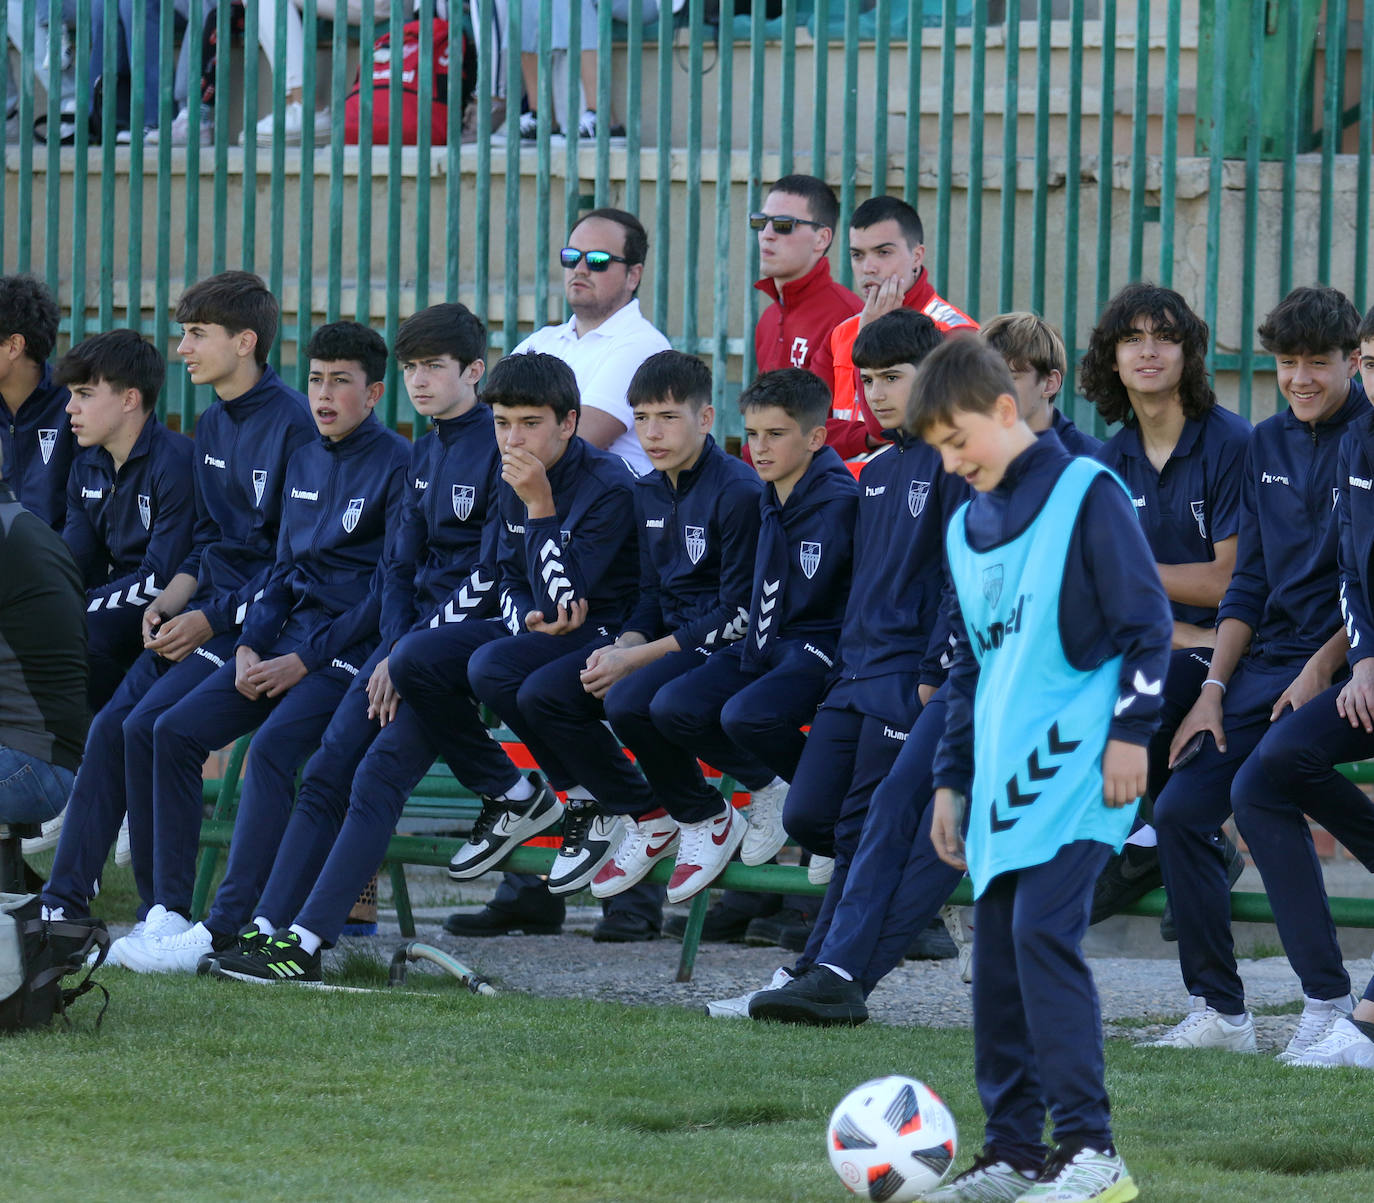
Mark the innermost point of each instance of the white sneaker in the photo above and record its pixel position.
(52, 829)
(590, 839)
(178, 953)
(820, 870)
(159, 920)
(703, 853)
(1204, 1027)
(123, 852)
(180, 133)
(293, 121)
(765, 834)
(1344, 1044)
(647, 841)
(962, 935)
(738, 1007)
(1085, 1176)
(1315, 1024)
(987, 1180)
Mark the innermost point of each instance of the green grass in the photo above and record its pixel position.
(197, 1089)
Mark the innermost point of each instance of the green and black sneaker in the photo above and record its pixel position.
(280, 959)
(248, 941)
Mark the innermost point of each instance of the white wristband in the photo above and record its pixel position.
(1219, 684)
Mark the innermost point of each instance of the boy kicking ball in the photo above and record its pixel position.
(1057, 601)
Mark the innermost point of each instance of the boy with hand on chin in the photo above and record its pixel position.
(1058, 605)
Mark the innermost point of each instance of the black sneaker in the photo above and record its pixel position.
(796, 936)
(246, 943)
(590, 839)
(1235, 866)
(492, 921)
(722, 925)
(932, 943)
(767, 931)
(617, 928)
(502, 827)
(1128, 877)
(281, 959)
(820, 997)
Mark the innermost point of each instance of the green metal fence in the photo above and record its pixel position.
(1056, 151)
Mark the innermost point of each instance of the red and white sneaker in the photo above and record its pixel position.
(705, 850)
(647, 841)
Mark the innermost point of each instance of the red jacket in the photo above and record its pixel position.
(851, 422)
(794, 331)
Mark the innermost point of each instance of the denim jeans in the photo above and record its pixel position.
(31, 790)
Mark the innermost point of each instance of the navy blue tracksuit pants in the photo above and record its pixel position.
(1189, 812)
(114, 640)
(214, 714)
(895, 884)
(1291, 775)
(1037, 1027)
(118, 765)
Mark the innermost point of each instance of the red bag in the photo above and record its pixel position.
(410, 89)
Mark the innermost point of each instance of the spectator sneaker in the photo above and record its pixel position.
(502, 827)
(765, 835)
(293, 122)
(820, 997)
(281, 959)
(1314, 1025)
(586, 126)
(1344, 1044)
(961, 932)
(932, 943)
(180, 133)
(767, 930)
(1079, 1175)
(1204, 1027)
(703, 852)
(1128, 877)
(492, 921)
(624, 927)
(179, 953)
(590, 839)
(647, 841)
(723, 925)
(987, 1180)
(738, 1007)
(249, 941)
(820, 870)
(47, 838)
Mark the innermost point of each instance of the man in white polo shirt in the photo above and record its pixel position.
(604, 342)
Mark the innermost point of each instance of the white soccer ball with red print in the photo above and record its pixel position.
(891, 1140)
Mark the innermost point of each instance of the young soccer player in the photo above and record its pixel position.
(1035, 355)
(1181, 456)
(1280, 643)
(1058, 602)
(243, 442)
(35, 434)
(440, 572)
(130, 501)
(304, 639)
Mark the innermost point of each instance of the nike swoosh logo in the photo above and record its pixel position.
(662, 848)
(724, 835)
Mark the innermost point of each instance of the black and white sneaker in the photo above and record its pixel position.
(503, 826)
(281, 959)
(248, 942)
(590, 839)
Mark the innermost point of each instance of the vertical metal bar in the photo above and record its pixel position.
(394, 182)
(195, 33)
(943, 199)
(109, 52)
(973, 269)
(1072, 197)
(1169, 165)
(453, 162)
(720, 315)
(543, 176)
(80, 179)
(26, 106)
(1364, 142)
(1251, 227)
(1331, 129)
(848, 151)
(634, 99)
(277, 179)
(305, 240)
(220, 224)
(52, 182)
(915, 42)
(510, 291)
(572, 181)
(757, 84)
(137, 61)
(4, 151)
(787, 115)
(1107, 114)
(424, 141)
(482, 245)
(882, 70)
(1139, 121)
(1011, 112)
(603, 102)
(1217, 147)
(248, 183)
(820, 73)
(1288, 208)
(692, 243)
(339, 59)
(1040, 206)
(166, 72)
(366, 164)
(663, 162)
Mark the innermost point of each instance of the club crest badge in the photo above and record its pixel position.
(810, 556)
(259, 484)
(145, 510)
(565, 535)
(353, 513)
(916, 497)
(47, 440)
(1200, 516)
(696, 543)
(992, 585)
(463, 498)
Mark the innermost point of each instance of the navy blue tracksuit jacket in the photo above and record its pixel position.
(39, 449)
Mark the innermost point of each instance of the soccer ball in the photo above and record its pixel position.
(891, 1140)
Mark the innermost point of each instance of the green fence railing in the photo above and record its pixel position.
(1056, 151)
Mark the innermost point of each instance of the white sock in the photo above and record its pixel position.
(310, 942)
(837, 971)
(521, 791)
(1146, 837)
(581, 793)
(263, 925)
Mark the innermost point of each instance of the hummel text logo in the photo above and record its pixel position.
(305, 495)
(1273, 478)
(213, 462)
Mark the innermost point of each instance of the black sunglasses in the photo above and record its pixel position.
(781, 224)
(597, 261)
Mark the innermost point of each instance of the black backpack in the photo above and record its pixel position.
(36, 954)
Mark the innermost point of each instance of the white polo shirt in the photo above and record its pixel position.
(604, 360)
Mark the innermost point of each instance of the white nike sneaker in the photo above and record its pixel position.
(1204, 1027)
(703, 852)
(1344, 1045)
(647, 841)
(820, 870)
(738, 1007)
(765, 835)
(47, 838)
(1314, 1025)
(179, 953)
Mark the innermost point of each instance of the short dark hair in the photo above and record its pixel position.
(670, 375)
(350, 342)
(1309, 321)
(821, 202)
(963, 374)
(1168, 314)
(1366, 331)
(237, 301)
(448, 328)
(890, 208)
(121, 358)
(636, 237)
(902, 336)
(533, 381)
(28, 307)
(801, 395)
